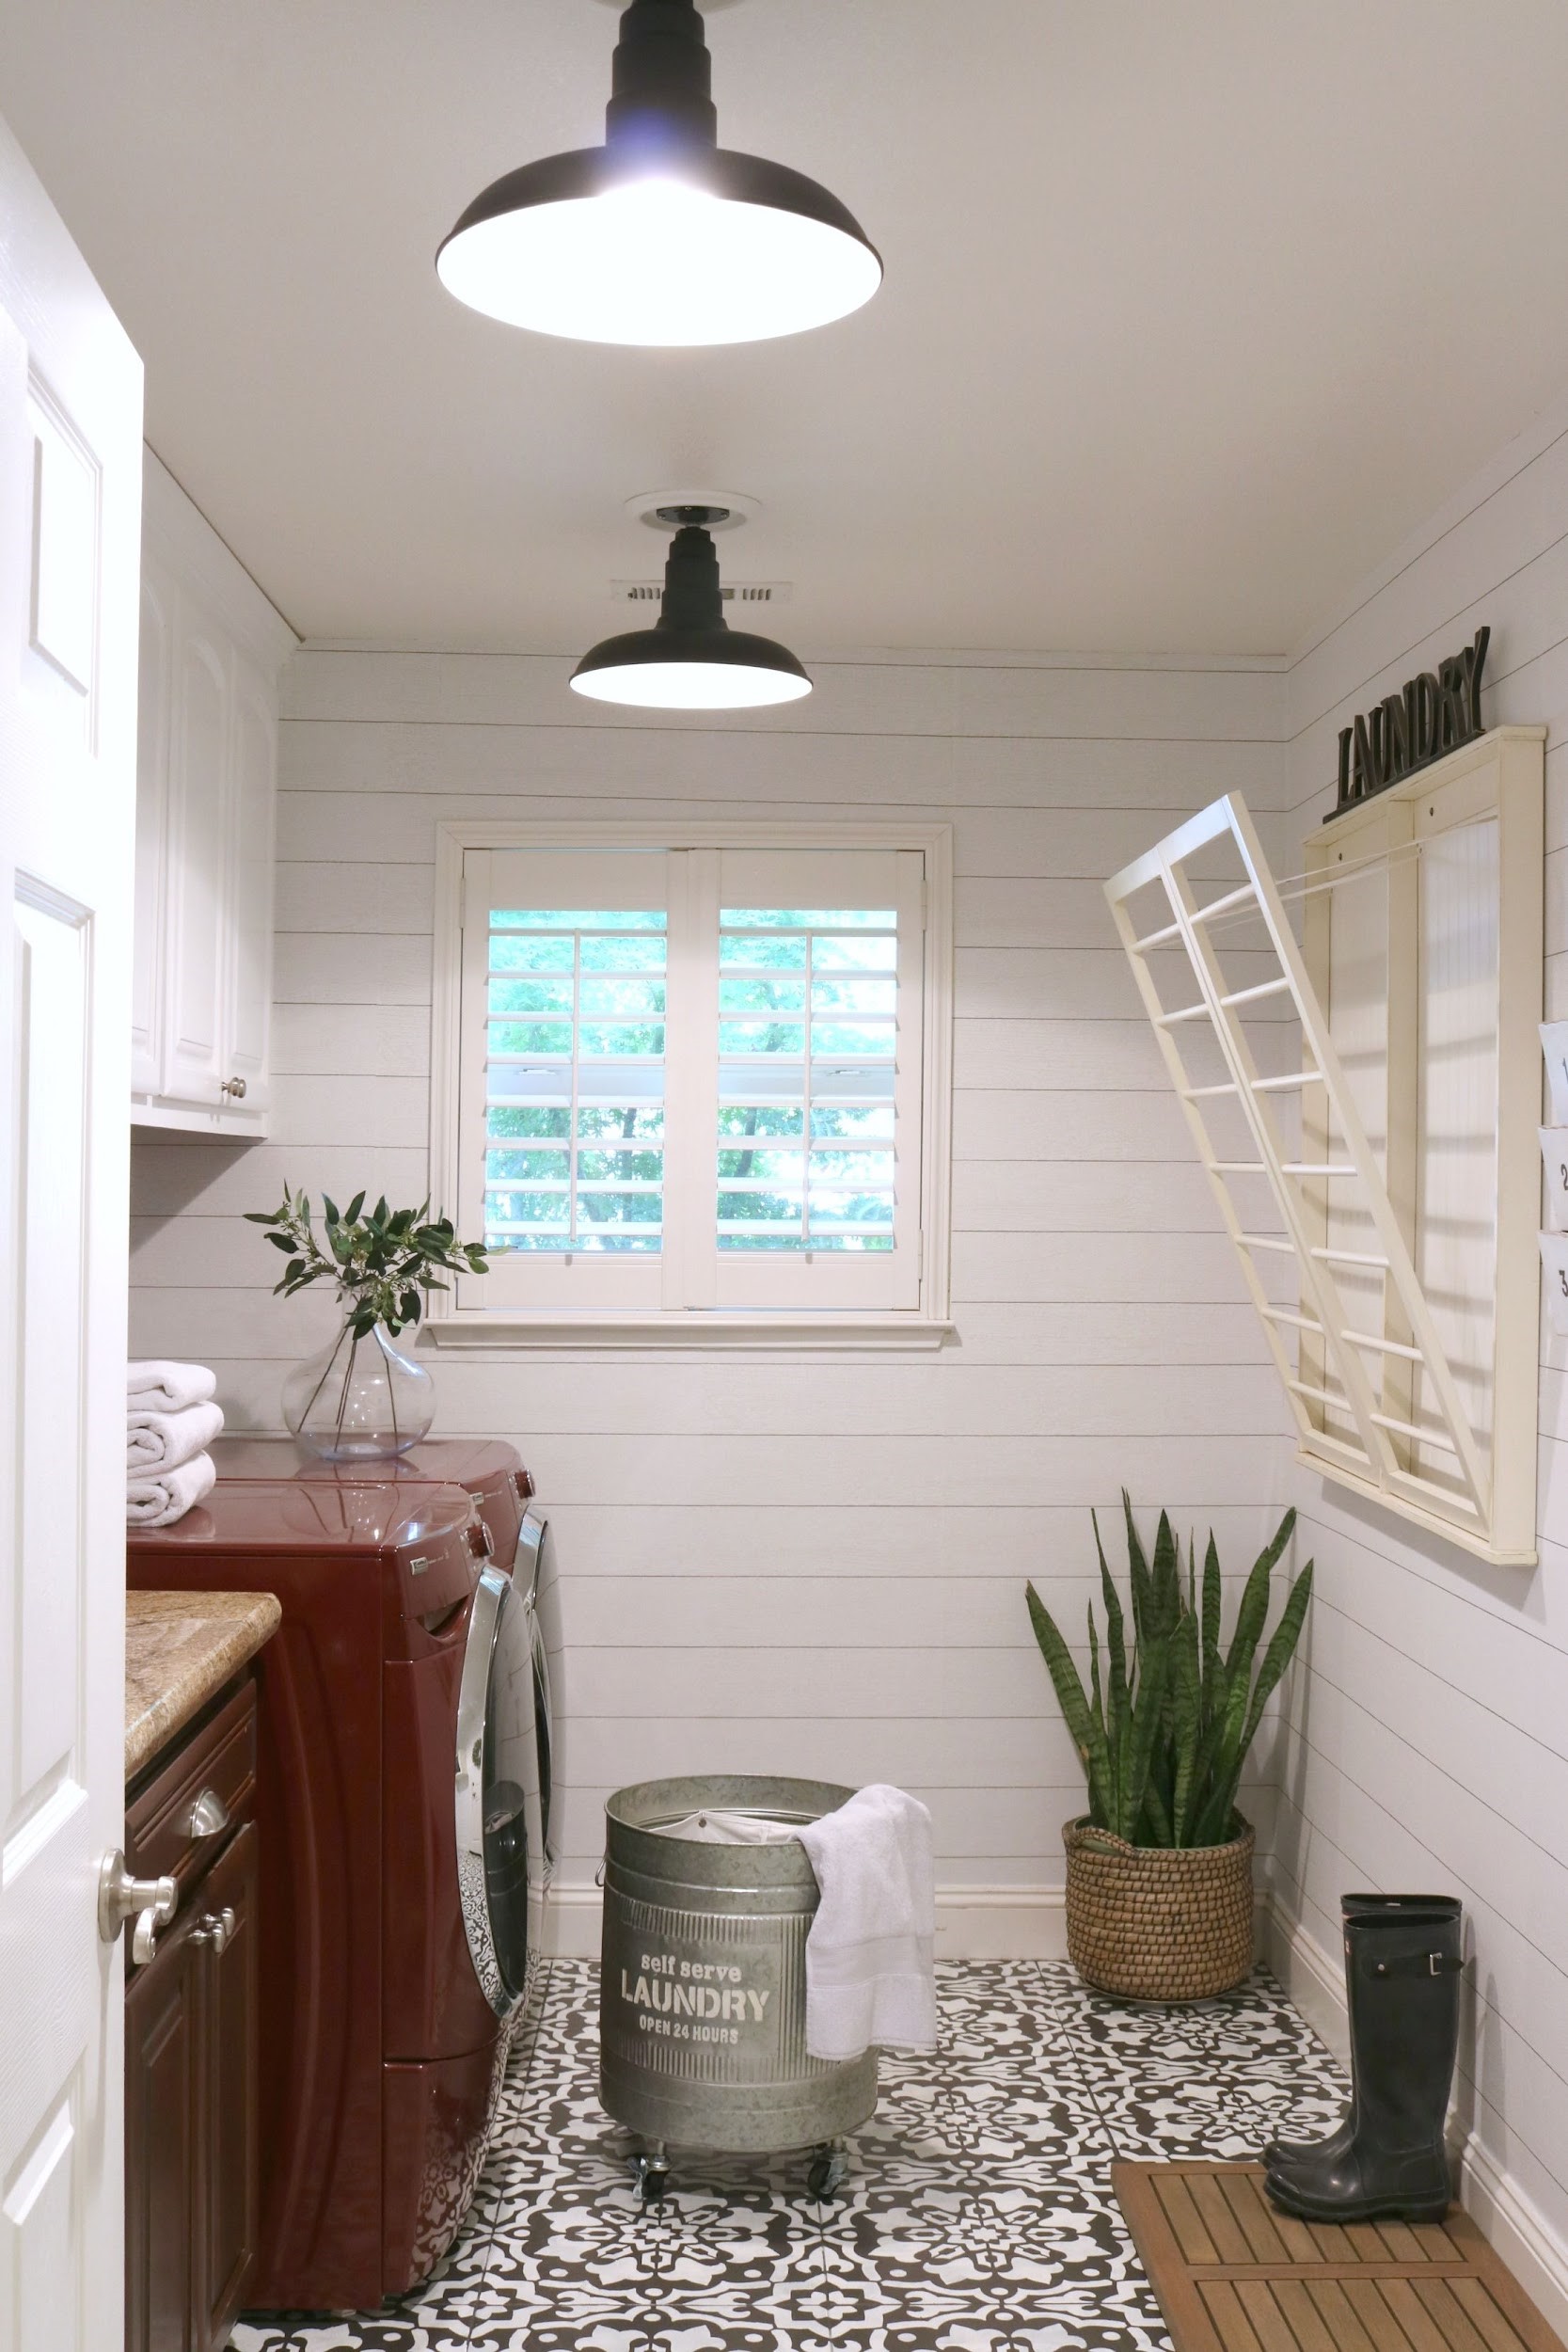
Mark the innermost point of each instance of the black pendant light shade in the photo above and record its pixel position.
(691, 660)
(659, 236)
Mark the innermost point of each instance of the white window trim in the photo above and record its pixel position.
(789, 1331)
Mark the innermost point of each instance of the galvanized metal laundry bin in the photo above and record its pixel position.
(703, 1992)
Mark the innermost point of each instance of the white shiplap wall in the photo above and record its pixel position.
(803, 1563)
(1429, 1743)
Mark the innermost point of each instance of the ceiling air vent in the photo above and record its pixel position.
(731, 592)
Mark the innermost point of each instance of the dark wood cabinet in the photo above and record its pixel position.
(191, 2193)
(163, 2068)
(227, 2209)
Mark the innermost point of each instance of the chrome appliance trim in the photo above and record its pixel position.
(491, 1596)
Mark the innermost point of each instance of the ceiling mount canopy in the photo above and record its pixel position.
(691, 660)
(659, 236)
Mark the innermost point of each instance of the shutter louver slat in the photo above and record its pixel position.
(808, 1009)
(575, 1080)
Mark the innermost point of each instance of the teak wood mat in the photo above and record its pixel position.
(1233, 2275)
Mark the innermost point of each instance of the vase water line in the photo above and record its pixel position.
(359, 1399)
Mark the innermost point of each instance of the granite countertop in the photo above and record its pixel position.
(180, 1648)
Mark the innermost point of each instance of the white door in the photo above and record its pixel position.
(69, 526)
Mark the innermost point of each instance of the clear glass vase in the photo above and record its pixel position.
(360, 1399)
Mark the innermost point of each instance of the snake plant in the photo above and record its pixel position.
(1164, 1727)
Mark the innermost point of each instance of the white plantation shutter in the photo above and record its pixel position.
(565, 1011)
(816, 1182)
(691, 1081)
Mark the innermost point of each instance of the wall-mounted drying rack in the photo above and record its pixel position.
(1419, 1393)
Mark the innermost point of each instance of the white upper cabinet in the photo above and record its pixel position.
(147, 1012)
(212, 651)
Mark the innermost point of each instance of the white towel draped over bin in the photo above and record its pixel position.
(158, 1385)
(161, 1441)
(870, 1978)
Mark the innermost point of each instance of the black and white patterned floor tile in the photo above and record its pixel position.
(978, 2215)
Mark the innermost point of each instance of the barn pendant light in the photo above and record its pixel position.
(691, 660)
(662, 235)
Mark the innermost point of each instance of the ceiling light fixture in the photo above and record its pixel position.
(660, 235)
(691, 660)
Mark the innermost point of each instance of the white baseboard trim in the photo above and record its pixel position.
(572, 1921)
(1509, 2220)
(1315, 1980)
(1001, 1923)
(972, 1922)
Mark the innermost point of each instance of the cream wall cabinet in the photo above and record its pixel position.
(212, 651)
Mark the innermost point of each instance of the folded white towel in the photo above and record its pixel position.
(726, 1829)
(159, 1500)
(870, 1979)
(161, 1441)
(165, 1386)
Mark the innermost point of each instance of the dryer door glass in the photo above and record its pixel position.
(497, 1795)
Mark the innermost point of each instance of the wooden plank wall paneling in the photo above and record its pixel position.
(1429, 1742)
(814, 1563)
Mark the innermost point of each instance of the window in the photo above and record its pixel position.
(698, 1087)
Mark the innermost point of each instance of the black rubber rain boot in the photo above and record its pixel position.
(1334, 2144)
(1402, 1970)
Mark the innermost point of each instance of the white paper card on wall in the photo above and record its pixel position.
(1554, 1044)
(1554, 1258)
(1554, 1156)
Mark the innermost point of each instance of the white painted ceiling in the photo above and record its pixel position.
(1193, 307)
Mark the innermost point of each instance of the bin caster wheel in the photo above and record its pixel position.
(652, 2175)
(828, 2169)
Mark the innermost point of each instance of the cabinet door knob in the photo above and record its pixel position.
(150, 1901)
(209, 1814)
(234, 1088)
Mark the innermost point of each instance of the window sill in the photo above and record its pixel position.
(791, 1333)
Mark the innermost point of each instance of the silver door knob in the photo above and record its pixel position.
(209, 1814)
(234, 1088)
(152, 1903)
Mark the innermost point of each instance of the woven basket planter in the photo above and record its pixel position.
(1154, 1924)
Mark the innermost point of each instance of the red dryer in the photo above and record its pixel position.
(403, 1849)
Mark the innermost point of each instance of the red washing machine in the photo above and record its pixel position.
(400, 1921)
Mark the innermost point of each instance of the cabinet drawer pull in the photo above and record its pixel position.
(209, 1814)
(234, 1088)
(217, 1929)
